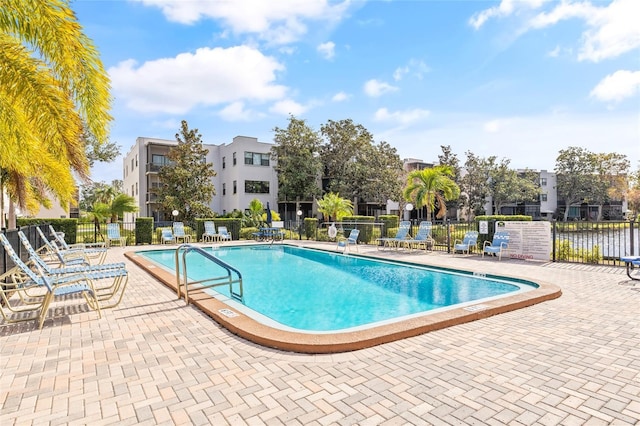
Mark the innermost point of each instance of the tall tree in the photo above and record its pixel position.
(428, 186)
(51, 81)
(298, 164)
(613, 178)
(507, 186)
(475, 183)
(449, 158)
(575, 176)
(355, 166)
(186, 180)
(633, 195)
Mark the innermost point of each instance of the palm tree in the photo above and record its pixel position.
(256, 209)
(121, 204)
(332, 206)
(51, 81)
(425, 187)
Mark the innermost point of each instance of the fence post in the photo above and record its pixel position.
(553, 240)
(632, 248)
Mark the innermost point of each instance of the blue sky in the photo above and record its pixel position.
(515, 79)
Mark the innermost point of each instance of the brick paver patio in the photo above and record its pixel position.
(573, 360)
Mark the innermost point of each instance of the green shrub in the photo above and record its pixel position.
(310, 227)
(232, 224)
(364, 224)
(144, 230)
(391, 232)
(390, 222)
(247, 233)
(566, 252)
(68, 226)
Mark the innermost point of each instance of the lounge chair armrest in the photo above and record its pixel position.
(504, 245)
(486, 243)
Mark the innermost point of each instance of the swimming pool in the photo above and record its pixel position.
(299, 289)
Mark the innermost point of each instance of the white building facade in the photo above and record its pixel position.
(244, 168)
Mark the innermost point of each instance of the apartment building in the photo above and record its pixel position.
(244, 171)
(542, 208)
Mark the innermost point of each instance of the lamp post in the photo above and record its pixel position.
(299, 215)
(408, 208)
(175, 214)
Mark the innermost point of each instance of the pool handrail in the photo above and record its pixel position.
(186, 248)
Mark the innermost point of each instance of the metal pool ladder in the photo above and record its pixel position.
(226, 279)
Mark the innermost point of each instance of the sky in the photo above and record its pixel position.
(519, 80)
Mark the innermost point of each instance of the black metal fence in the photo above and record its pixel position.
(601, 243)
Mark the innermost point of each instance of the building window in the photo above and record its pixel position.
(235, 186)
(136, 162)
(543, 181)
(256, 187)
(224, 162)
(132, 164)
(224, 189)
(256, 159)
(234, 159)
(136, 188)
(543, 197)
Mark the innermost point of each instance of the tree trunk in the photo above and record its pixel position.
(12, 222)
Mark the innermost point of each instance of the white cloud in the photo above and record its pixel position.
(405, 117)
(617, 86)
(496, 125)
(414, 67)
(327, 50)
(504, 9)
(375, 88)
(612, 29)
(236, 111)
(288, 106)
(278, 22)
(555, 52)
(205, 78)
(340, 96)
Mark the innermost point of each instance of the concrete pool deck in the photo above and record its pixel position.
(153, 360)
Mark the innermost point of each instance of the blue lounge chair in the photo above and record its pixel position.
(209, 234)
(499, 244)
(351, 240)
(224, 234)
(401, 235)
(422, 239)
(65, 257)
(166, 236)
(115, 273)
(113, 234)
(179, 234)
(468, 243)
(52, 286)
(95, 252)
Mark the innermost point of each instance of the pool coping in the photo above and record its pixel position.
(262, 334)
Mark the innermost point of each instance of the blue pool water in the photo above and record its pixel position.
(321, 291)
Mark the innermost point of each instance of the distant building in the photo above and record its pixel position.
(244, 171)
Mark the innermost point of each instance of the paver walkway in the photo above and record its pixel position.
(573, 360)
